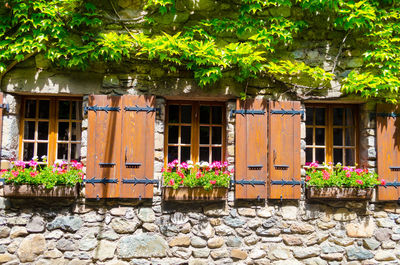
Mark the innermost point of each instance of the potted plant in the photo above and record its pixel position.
(35, 180)
(327, 181)
(199, 181)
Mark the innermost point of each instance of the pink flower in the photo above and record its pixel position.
(226, 172)
(359, 181)
(213, 182)
(198, 174)
(314, 164)
(308, 178)
(20, 163)
(326, 175)
(348, 174)
(33, 174)
(33, 163)
(383, 182)
(77, 164)
(180, 174)
(225, 164)
(15, 173)
(184, 165)
(232, 170)
(359, 171)
(172, 182)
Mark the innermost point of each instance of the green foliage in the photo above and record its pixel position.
(338, 176)
(191, 175)
(247, 43)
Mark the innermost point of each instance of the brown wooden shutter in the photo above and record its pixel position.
(388, 150)
(104, 146)
(251, 149)
(284, 150)
(137, 169)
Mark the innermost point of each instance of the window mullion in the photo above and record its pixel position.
(329, 136)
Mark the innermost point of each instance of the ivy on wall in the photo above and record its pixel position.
(71, 33)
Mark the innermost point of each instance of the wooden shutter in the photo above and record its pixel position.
(388, 150)
(251, 149)
(284, 150)
(137, 146)
(104, 146)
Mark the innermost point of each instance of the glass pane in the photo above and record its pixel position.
(63, 109)
(30, 109)
(319, 155)
(173, 133)
(350, 157)
(205, 114)
(309, 158)
(309, 116)
(172, 153)
(320, 116)
(29, 148)
(337, 156)
(186, 114)
(349, 117)
(338, 136)
(217, 115)
(350, 137)
(320, 136)
(173, 114)
(76, 110)
(204, 135)
(76, 131)
(216, 135)
(29, 130)
(216, 154)
(185, 135)
(204, 154)
(309, 136)
(62, 151)
(338, 116)
(44, 109)
(63, 128)
(41, 149)
(76, 152)
(185, 153)
(43, 130)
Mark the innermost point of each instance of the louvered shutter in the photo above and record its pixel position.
(104, 146)
(137, 167)
(284, 150)
(388, 150)
(251, 149)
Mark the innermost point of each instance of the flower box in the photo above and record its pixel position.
(196, 193)
(321, 193)
(24, 191)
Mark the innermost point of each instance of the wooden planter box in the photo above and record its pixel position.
(197, 193)
(339, 193)
(24, 191)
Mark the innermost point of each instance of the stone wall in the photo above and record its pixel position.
(65, 232)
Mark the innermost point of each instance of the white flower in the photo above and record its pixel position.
(35, 158)
(189, 162)
(197, 164)
(58, 162)
(204, 164)
(190, 166)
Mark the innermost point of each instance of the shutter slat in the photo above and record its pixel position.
(284, 151)
(251, 149)
(104, 147)
(137, 154)
(388, 150)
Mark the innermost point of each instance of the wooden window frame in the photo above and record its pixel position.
(195, 131)
(53, 125)
(329, 130)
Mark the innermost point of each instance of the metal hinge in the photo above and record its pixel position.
(145, 109)
(283, 182)
(5, 106)
(287, 112)
(144, 181)
(383, 114)
(392, 184)
(102, 181)
(248, 182)
(247, 111)
(96, 108)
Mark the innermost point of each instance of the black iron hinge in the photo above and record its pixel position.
(392, 184)
(384, 114)
(247, 112)
(102, 181)
(96, 108)
(252, 182)
(5, 106)
(287, 112)
(144, 181)
(138, 109)
(283, 182)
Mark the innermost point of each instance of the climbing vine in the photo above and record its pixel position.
(250, 44)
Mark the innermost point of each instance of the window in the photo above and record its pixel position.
(331, 134)
(51, 127)
(195, 131)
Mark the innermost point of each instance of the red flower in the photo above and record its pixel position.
(308, 178)
(326, 175)
(33, 174)
(172, 182)
(213, 181)
(383, 182)
(359, 181)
